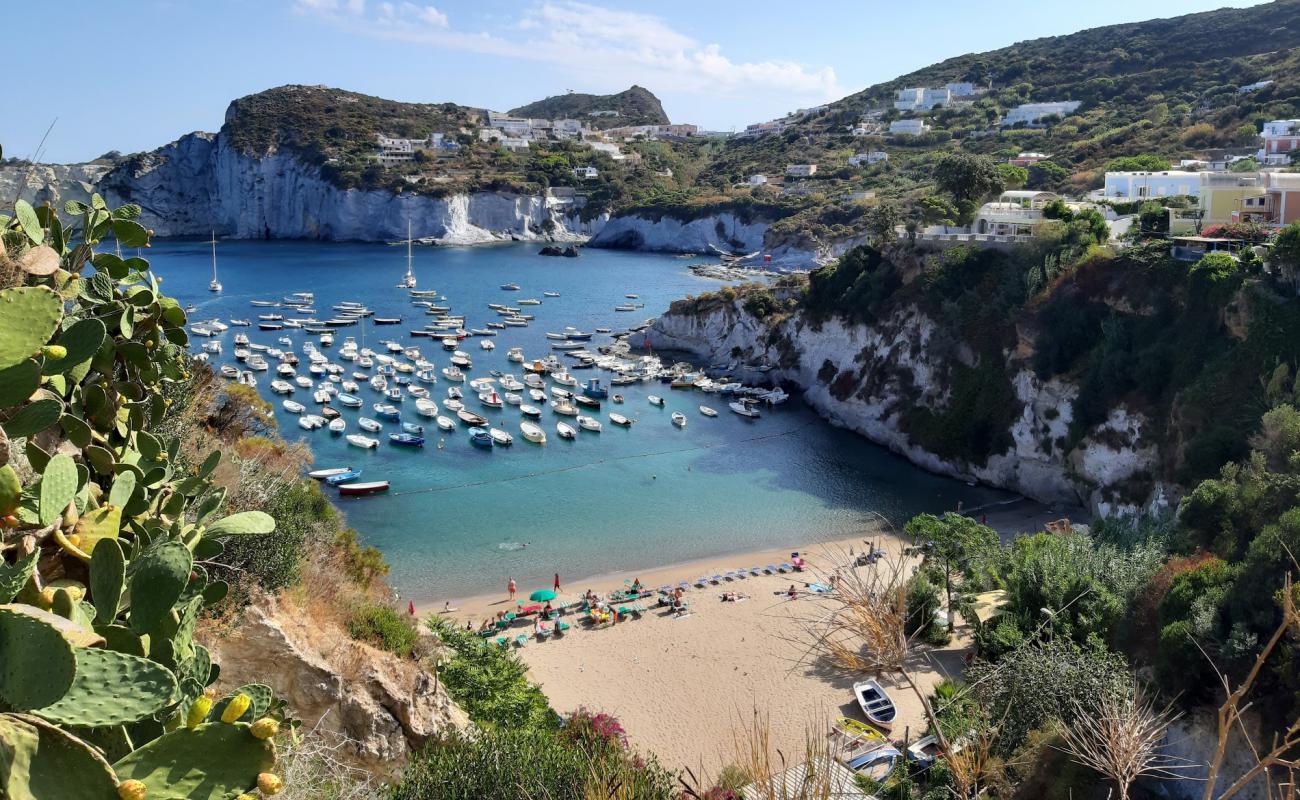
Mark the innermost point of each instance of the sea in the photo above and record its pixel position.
(461, 521)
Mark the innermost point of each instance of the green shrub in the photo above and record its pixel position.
(490, 682)
(383, 627)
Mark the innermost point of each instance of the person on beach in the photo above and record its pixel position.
(791, 593)
(636, 585)
(557, 583)
(410, 607)
(512, 588)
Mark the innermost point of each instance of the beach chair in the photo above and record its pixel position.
(702, 581)
(501, 641)
(685, 585)
(740, 573)
(521, 640)
(542, 634)
(716, 579)
(770, 569)
(755, 571)
(786, 566)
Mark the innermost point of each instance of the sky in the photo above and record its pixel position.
(144, 72)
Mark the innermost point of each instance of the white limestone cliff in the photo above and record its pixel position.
(861, 377)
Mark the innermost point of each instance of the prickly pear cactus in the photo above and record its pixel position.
(103, 689)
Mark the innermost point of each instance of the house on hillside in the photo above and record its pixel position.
(1230, 196)
(801, 170)
(1032, 114)
(586, 173)
(1282, 190)
(964, 89)
(873, 157)
(1014, 213)
(756, 180)
(1027, 160)
(921, 99)
(1142, 185)
(1280, 137)
(908, 127)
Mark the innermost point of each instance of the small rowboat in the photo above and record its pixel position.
(445, 423)
(619, 419)
(656, 400)
(347, 476)
(708, 412)
(370, 487)
(565, 430)
(532, 432)
(325, 474)
(875, 703)
(471, 419)
(500, 438)
(479, 437)
(364, 442)
(406, 439)
(679, 419)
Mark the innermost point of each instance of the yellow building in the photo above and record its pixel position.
(1229, 196)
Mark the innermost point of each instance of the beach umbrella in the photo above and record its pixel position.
(542, 595)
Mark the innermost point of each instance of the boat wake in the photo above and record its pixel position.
(510, 547)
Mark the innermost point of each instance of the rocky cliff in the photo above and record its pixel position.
(52, 183)
(200, 183)
(865, 376)
(382, 707)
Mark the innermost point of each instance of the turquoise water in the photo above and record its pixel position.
(623, 500)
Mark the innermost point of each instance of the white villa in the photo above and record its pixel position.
(801, 170)
(1032, 113)
(873, 157)
(908, 127)
(399, 151)
(1014, 213)
(921, 99)
(1281, 136)
(1141, 185)
(586, 173)
(756, 180)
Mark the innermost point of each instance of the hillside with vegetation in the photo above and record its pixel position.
(635, 105)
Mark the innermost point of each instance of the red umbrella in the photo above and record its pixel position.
(410, 607)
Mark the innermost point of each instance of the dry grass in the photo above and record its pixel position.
(1120, 737)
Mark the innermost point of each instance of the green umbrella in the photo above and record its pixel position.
(542, 595)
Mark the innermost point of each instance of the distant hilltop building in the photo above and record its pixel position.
(919, 98)
(653, 131)
(801, 170)
(399, 151)
(756, 180)
(873, 157)
(586, 173)
(1143, 185)
(1253, 87)
(604, 113)
(1032, 114)
(908, 127)
(1027, 159)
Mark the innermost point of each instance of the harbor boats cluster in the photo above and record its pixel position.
(333, 364)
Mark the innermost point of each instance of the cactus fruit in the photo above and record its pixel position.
(236, 707)
(54, 351)
(132, 790)
(269, 783)
(198, 711)
(265, 728)
(259, 693)
(29, 316)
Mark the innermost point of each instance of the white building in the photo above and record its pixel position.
(1142, 185)
(586, 173)
(514, 143)
(1014, 213)
(757, 180)
(908, 127)
(606, 113)
(961, 89)
(1032, 113)
(1253, 87)
(610, 150)
(873, 157)
(1280, 136)
(801, 170)
(921, 99)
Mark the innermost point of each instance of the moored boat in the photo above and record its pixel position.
(679, 419)
(619, 419)
(370, 487)
(532, 432)
(346, 476)
(479, 437)
(364, 442)
(406, 439)
(708, 412)
(875, 702)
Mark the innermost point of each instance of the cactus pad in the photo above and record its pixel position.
(33, 417)
(11, 490)
(211, 762)
(97, 525)
(38, 665)
(157, 583)
(29, 316)
(17, 382)
(58, 487)
(38, 761)
(243, 523)
(107, 579)
(111, 688)
(13, 577)
(81, 341)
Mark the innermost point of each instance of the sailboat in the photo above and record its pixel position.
(215, 285)
(408, 281)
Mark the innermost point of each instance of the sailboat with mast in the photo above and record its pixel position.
(214, 285)
(408, 281)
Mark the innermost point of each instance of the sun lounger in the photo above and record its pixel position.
(501, 640)
(521, 640)
(770, 569)
(786, 566)
(702, 581)
(716, 579)
(741, 573)
(542, 633)
(819, 588)
(755, 571)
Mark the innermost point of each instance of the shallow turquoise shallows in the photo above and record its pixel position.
(457, 518)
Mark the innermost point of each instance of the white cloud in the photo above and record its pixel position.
(617, 47)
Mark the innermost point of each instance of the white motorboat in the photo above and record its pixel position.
(368, 424)
(589, 423)
(619, 419)
(350, 401)
(292, 407)
(679, 419)
(565, 408)
(364, 442)
(565, 430)
(516, 354)
(338, 425)
(281, 387)
(655, 400)
(537, 395)
(532, 432)
(451, 404)
(708, 412)
(491, 399)
(311, 422)
(426, 408)
(500, 438)
(746, 408)
(228, 371)
(445, 423)
(322, 474)
(487, 344)
(408, 280)
(453, 374)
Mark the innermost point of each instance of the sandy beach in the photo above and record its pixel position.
(683, 686)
